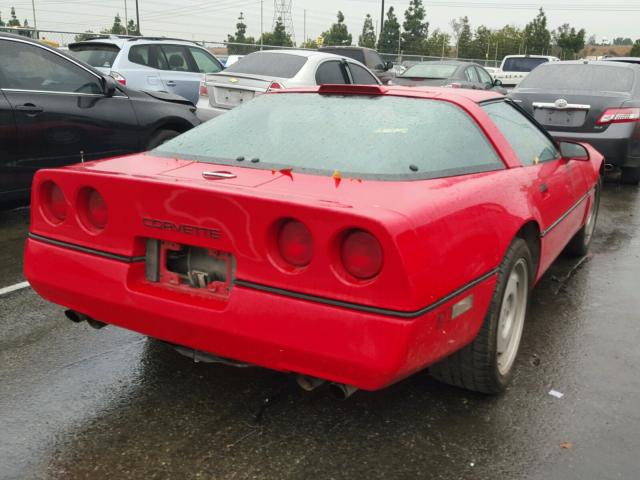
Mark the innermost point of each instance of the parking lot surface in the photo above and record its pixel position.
(80, 403)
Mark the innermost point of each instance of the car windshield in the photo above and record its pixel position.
(430, 71)
(522, 64)
(562, 76)
(282, 65)
(381, 137)
(95, 55)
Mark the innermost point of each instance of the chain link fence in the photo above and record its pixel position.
(62, 39)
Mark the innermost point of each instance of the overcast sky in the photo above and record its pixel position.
(214, 19)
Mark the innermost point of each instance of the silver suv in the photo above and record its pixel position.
(144, 63)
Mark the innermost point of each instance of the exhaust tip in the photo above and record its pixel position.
(74, 316)
(342, 391)
(307, 383)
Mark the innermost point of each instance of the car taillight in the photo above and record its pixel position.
(204, 90)
(92, 209)
(361, 254)
(119, 78)
(619, 115)
(295, 243)
(275, 86)
(53, 203)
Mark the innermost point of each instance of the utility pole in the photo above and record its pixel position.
(138, 18)
(304, 29)
(261, 23)
(381, 19)
(35, 23)
(126, 19)
(399, 46)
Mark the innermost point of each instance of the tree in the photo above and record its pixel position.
(568, 40)
(437, 45)
(279, 37)
(537, 37)
(309, 43)
(388, 40)
(592, 40)
(635, 50)
(240, 37)
(338, 34)
(481, 43)
(465, 39)
(368, 37)
(622, 41)
(416, 30)
(13, 22)
(132, 28)
(117, 28)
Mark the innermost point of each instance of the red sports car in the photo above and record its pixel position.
(354, 234)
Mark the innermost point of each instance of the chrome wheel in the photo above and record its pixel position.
(512, 315)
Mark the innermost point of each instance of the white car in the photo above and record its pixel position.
(267, 70)
(515, 67)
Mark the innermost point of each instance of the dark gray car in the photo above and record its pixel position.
(595, 102)
(368, 57)
(450, 73)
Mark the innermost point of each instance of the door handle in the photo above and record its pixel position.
(171, 83)
(30, 109)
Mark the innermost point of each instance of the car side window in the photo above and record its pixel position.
(176, 56)
(530, 144)
(205, 62)
(147, 55)
(29, 67)
(484, 76)
(330, 73)
(361, 76)
(471, 74)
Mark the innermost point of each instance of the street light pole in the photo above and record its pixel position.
(381, 19)
(261, 23)
(138, 18)
(126, 19)
(35, 22)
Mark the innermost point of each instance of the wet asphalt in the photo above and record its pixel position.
(79, 403)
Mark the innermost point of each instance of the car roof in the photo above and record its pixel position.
(454, 95)
(121, 40)
(605, 63)
(445, 62)
(300, 53)
(622, 59)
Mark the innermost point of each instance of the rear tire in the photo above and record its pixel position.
(581, 241)
(160, 137)
(486, 364)
(630, 175)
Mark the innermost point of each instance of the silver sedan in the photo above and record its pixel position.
(267, 70)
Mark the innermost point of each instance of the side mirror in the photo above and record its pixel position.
(573, 151)
(110, 86)
(497, 82)
(388, 65)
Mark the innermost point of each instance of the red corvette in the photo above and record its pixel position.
(355, 234)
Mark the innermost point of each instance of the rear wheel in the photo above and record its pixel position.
(630, 175)
(580, 243)
(486, 364)
(160, 137)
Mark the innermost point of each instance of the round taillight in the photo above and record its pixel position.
(92, 209)
(295, 243)
(54, 204)
(361, 254)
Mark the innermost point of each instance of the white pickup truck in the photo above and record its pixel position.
(515, 67)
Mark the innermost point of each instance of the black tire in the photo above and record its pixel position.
(581, 241)
(159, 137)
(630, 175)
(475, 367)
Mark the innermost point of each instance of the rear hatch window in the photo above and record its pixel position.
(522, 64)
(594, 78)
(95, 54)
(282, 65)
(401, 139)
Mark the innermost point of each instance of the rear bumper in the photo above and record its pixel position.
(359, 348)
(617, 143)
(205, 111)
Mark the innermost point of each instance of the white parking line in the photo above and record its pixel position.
(13, 288)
